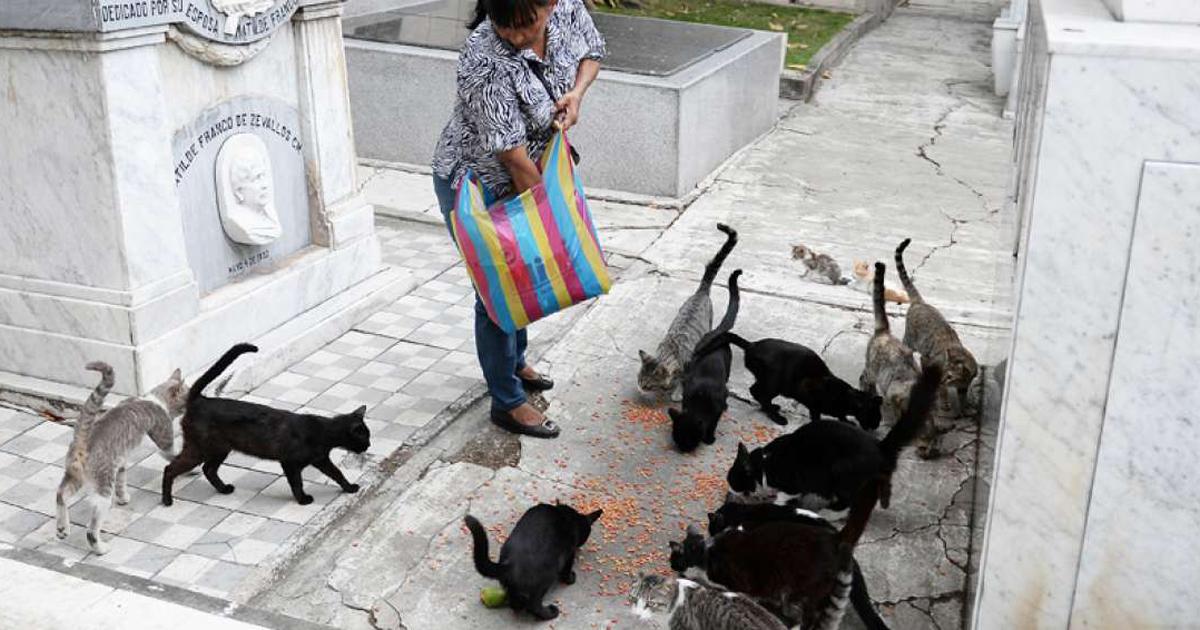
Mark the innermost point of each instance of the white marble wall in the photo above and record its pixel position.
(1096, 106)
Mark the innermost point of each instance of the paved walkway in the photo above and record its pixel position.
(905, 140)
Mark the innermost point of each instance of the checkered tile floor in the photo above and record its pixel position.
(405, 363)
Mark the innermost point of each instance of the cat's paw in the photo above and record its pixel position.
(569, 578)
(778, 418)
(226, 489)
(167, 501)
(304, 499)
(350, 487)
(547, 612)
(121, 499)
(99, 547)
(63, 532)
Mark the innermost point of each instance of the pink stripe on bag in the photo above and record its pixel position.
(521, 273)
(561, 256)
(471, 257)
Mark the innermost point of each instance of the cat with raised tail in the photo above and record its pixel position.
(706, 382)
(824, 464)
(683, 604)
(96, 458)
(215, 427)
(891, 368)
(783, 368)
(661, 373)
(926, 331)
(539, 553)
(803, 573)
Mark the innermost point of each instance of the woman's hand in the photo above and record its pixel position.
(567, 109)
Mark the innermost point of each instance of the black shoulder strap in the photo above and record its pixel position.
(536, 69)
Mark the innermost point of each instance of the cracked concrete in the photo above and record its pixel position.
(904, 141)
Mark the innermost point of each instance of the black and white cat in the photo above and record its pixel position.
(214, 427)
(801, 572)
(747, 516)
(783, 368)
(828, 462)
(539, 553)
(705, 382)
(683, 604)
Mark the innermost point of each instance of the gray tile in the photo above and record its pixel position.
(223, 577)
(274, 531)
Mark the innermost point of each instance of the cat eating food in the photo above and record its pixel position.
(747, 516)
(783, 368)
(101, 444)
(540, 552)
(660, 374)
(705, 382)
(926, 331)
(682, 604)
(828, 462)
(214, 427)
(801, 572)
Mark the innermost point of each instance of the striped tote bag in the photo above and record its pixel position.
(534, 254)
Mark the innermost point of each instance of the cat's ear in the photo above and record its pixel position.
(673, 413)
(177, 375)
(646, 358)
(676, 547)
(693, 531)
(742, 453)
(360, 412)
(595, 516)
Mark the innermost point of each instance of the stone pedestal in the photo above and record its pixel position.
(115, 115)
(1094, 499)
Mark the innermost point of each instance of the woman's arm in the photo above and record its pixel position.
(524, 172)
(568, 106)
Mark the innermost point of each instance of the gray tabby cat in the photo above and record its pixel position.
(661, 374)
(891, 369)
(926, 331)
(96, 457)
(690, 605)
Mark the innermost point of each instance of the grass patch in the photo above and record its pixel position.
(807, 29)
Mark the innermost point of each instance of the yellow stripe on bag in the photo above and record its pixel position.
(567, 184)
(490, 240)
(534, 217)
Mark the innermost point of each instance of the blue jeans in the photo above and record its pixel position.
(500, 354)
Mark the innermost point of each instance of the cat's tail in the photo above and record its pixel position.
(483, 564)
(720, 335)
(881, 320)
(91, 408)
(737, 340)
(221, 365)
(914, 296)
(714, 265)
(860, 513)
(920, 402)
(860, 598)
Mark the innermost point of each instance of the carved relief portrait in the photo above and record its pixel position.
(246, 191)
(235, 9)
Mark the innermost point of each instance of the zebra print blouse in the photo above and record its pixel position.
(501, 104)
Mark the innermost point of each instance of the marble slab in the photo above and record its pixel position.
(1145, 500)
(214, 257)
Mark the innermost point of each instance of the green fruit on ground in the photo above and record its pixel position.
(493, 597)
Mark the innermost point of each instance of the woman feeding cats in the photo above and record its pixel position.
(522, 72)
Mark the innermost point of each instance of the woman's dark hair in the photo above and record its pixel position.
(507, 13)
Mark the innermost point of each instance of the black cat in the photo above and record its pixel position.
(747, 516)
(705, 382)
(539, 552)
(801, 572)
(783, 368)
(832, 460)
(213, 427)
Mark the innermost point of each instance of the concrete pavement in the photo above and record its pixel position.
(905, 140)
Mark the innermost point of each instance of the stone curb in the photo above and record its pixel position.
(800, 85)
